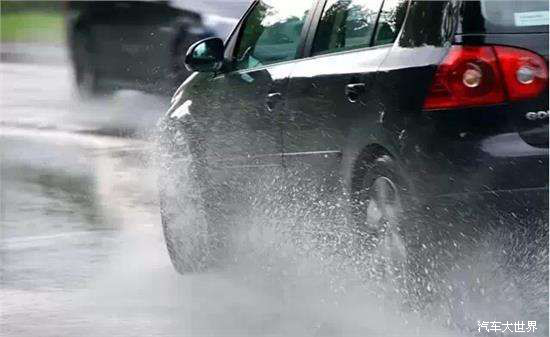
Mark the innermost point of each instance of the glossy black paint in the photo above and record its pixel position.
(317, 126)
(205, 55)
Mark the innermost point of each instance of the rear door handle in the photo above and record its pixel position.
(354, 91)
(272, 99)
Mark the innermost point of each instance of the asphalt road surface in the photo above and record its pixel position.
(82, 253)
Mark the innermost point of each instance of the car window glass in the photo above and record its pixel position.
(271, 33)
(390, 21)
(345, 25)
(525, 16)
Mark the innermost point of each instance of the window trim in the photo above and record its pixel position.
(314, 24)
(343, 52)
(408, 6)
(375, 31)
(235, 37)
(258, 68)
(308, 52)
(305, 59)
(317, 20)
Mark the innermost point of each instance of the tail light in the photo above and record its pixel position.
(485, 75)
(525, 73)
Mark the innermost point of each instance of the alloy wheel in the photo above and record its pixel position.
(384, 214)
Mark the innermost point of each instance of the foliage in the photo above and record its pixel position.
(31, 26)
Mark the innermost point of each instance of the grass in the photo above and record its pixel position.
(32, 26)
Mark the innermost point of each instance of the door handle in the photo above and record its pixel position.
(354, 91)
(272, 99)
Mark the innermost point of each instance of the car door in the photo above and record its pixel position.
(247, 103)
(119, 39)
(331, 97)
(133, 41)
(149, 32)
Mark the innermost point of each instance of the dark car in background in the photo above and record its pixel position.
(141, 44)
(399, 105)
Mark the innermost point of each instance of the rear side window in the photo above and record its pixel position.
(390, 21)
(515, 16)
(271, 33)
(346, 25)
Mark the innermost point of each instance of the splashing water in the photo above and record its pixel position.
(288, 240)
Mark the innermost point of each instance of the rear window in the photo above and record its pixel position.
(505, 16)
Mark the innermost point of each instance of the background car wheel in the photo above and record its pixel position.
(86, 75)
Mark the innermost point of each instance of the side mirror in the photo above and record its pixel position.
(205, 56)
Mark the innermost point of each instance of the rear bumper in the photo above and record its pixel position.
(518, 201)
(499, 171)
(472, 215)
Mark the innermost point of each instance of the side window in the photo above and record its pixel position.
(345, 25)
(271, 33)
(390, 21)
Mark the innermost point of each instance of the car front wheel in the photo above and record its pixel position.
(188, 238)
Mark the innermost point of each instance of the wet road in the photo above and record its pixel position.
(74, 214)
(43, 96)
(82, 253)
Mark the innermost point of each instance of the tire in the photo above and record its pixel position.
(86, 74)
(381, 203)
(190, 240)
(460, 261)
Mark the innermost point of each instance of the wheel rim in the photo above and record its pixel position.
(384, 212)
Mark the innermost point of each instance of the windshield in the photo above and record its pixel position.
(515, 16)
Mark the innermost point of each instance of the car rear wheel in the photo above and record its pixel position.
(384, 210)
(381, 203)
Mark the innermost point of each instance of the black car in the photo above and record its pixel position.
(396, 105)
(140, 44)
